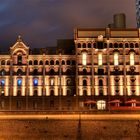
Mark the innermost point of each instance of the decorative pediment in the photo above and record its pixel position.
(19, 47)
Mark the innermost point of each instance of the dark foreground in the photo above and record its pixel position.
(69, 130)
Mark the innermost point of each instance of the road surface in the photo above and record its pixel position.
(73, 117)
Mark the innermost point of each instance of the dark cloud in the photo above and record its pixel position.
(42, 22)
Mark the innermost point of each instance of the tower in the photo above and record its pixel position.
(138, 13)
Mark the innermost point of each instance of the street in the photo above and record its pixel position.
(72, 117)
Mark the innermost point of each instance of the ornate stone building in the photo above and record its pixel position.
(99, 69)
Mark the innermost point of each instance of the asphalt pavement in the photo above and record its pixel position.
(72, 117)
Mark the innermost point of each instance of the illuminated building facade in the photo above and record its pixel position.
(98, 67)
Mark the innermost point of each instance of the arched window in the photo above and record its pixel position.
(3, 62)
(52, 93)
(52, 72)
(89, 45)
(3, 72)
(84, 82)
(116, 58)
(19, 82)
(35, 82)
(84, 58)
(68, 62)
(41, 62)
(105, 45)
(51, 62)
(30, 62)
(85, 92)
(126, 45)
(110, 45)
(79, 45)
(68, 82)
(8, 62)
(2, 82)
(35, 62)
(84, 45)
(84, 72)
(19, 60)
(100, 82)
(121, 45)
(47, 62)
(57, 62)
(136, 45)
(63, 62)
(95, 45)
(131, 45)
(116, 45)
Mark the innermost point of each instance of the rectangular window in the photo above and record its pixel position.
(52, 82)
(132, 61)
(116, 59)
(84, 58)
(100, 59)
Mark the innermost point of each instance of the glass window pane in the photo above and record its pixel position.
(35, 82)
(19, 82)
(2, 82)
(84, 58)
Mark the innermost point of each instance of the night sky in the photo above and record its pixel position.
(42, 22)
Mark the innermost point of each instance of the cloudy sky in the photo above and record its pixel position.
(42, 22)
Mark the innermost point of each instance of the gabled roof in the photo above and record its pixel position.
(19, 45)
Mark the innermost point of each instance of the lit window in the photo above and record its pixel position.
(2, 92)
(35, 82)
(116, 59)
(52, 82)
(84, 58)
(133, 104)
(100, 59)
(101, 105)
(2, 82)
(2, 72)
(132, 61)
(19, 82)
